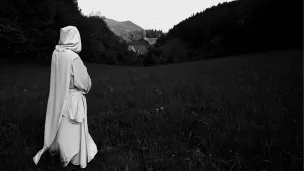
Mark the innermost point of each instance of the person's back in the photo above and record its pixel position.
(66, 128)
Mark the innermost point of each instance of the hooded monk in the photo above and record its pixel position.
(66, 126)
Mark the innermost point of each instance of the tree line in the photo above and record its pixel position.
(153, 33)
(29, 31)
(237, 27)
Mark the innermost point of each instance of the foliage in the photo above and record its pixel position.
(30, 29)
(130, 58)
(241, 26)
(126, 30)
(153, 33)
(137, 34)
(161, 40)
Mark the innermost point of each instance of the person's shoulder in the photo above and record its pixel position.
(68, 55)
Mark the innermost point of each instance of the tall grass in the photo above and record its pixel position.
(238, 113)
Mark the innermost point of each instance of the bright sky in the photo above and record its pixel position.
(148, 14)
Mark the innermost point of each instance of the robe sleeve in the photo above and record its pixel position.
(82, 79)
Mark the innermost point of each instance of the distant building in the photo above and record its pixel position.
(131, 48)
(139, 49)
(140, 46)
(139, 42)
(151, 41)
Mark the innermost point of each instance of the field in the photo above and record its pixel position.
(233, 113)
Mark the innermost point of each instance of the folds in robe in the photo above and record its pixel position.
(62, 100)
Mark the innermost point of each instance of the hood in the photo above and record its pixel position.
(69, 39)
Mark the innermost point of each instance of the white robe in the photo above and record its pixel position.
(66, 127)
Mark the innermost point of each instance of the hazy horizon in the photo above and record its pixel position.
(157, 14)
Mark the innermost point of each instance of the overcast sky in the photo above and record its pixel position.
(148, 14)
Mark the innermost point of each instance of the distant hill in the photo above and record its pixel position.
(126, 30)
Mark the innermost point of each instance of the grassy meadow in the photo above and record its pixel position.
(234, 113)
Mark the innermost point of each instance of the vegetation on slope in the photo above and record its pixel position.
(126, 30)
(153, 33)
(237, 27)
(29, 30)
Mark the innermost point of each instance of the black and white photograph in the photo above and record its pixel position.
(142, 85)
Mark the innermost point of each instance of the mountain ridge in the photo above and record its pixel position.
(126, 30)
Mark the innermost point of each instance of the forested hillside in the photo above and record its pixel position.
(126, 30)
(29, 30)
(153, 33)
(237, 27)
